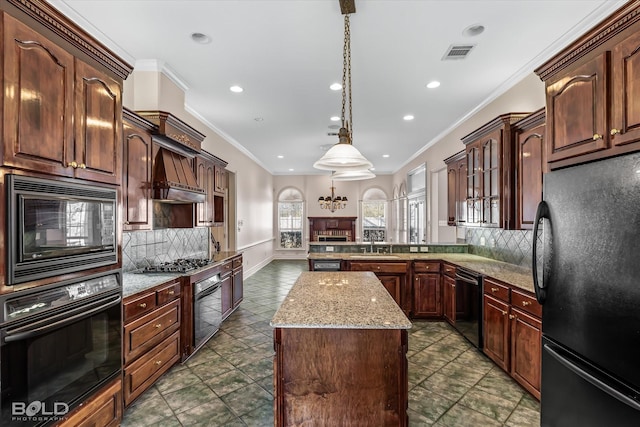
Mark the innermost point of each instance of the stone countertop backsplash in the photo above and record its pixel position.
(514, 275)
(339, 300)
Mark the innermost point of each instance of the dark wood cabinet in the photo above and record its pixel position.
(62, 115)
(427, 290)
(530, 167)
(103, 409)
(332, 229)
(136, 183)
(449, 299)
(496, 331)
(226, 286)
(526, 350)
(592, 90)
(210, 174)
(232, 285)
(490, 177)
(456, 188)
(394, 277)
(238, 281)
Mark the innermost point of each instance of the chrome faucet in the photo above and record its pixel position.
(371, 250)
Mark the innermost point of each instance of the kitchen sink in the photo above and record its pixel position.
(374, 255)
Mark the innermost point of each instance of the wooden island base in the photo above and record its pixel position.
(325, 376)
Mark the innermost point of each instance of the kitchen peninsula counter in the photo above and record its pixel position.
(340, 353)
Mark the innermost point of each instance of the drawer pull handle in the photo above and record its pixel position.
(158, 362)
(171, 292)
(142, 305)
(597, 136)
(526, 303)
(494, 289)
(614, 132)
(158, 325)
(511, 316)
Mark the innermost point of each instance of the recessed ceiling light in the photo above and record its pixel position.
(236, 89)
(258, 119)
(291, 170)
(408, 117)
(434, 84)
(473, 30)
(280, 156)
(335, 119)
(200, 38)
(335, 86)
(385, 155)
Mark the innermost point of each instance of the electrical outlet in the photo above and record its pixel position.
(413, 249)
(328, 248)
(424, 248)
(482, 241)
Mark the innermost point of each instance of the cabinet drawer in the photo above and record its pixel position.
(526, 303)
(226, 268)
(237, 263)
(168, 293)
(426, 266)
(148, 330)
(141, 374)
(380, 267)
(449, 270)
(143, 304)
(496, 290)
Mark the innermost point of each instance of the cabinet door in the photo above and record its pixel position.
(461, 193)
(449, 299)
(427, 296)
(227, 296)
(392, 285)
(530, 164)
(452, 193)
(238, 288)
(496, 331)
(577, 111)
(205, 174)
(98, 118)
(137, 179)
(491, 181)
(474, 201)
(526, 350)
(625, 120)
(220, 181)
(38, 102)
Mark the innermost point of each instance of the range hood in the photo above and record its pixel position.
(173, 179)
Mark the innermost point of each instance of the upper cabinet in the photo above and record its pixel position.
(592, 88)
(490, 179)
(62, 116)
(530, 166)
(210, 173)
(457, 188)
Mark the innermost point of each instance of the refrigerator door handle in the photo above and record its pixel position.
(582, 373)
(541, 292)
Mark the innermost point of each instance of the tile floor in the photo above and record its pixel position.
(229, 381)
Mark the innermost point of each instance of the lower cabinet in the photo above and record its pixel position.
(393, 276)
(238, 281)
(232, 285)
(151, 337)
(104, 409)
(513, 333)
(449, 299)
(427, 290)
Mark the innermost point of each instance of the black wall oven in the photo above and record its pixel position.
(58, 345)
(207, 309)
(58, 227)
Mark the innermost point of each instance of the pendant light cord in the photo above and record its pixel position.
(347, 123)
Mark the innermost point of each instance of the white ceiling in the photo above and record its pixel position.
(286, 53)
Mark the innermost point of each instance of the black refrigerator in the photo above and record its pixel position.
(586, 265)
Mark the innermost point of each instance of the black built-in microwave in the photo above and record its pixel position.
(58, 227)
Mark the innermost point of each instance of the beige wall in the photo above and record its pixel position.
(526, 96)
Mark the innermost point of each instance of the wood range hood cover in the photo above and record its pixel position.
(173, 179)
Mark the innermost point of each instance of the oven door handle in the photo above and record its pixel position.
(43, 326)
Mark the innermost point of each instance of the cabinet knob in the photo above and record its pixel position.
(73, 164)
(158, 362)
(378, 267)
(597, 136)
(416, 279)
(511, 316)
(494, 289)
(158, 325)
(82, 166)
(127, 222)
(614, 132)
(142, 305)
(526, 303)
(504, 313)
(171, 292)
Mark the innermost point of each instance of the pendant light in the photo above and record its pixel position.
(343, 157)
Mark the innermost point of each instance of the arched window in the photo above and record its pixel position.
(374, 216)
(290, 215)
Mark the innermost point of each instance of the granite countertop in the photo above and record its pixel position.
(132, 282)
(340, 300)
(514, 275)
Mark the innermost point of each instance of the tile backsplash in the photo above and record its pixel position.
(142, 248)
(512, 246)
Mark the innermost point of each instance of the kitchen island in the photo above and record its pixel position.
(340, 353)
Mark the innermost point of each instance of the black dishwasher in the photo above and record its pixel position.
(325, 265)
(468, 313)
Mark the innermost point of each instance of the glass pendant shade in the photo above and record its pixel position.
(352, 175)
(342, 157)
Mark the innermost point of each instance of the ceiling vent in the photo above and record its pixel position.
(458, 51)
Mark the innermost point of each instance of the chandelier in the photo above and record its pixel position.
(333, 202)
(343, 158)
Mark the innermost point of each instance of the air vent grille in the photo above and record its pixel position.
(458, 51)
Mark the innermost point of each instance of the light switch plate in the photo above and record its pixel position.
(413, 249)
(328, 248)
(424, 248)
